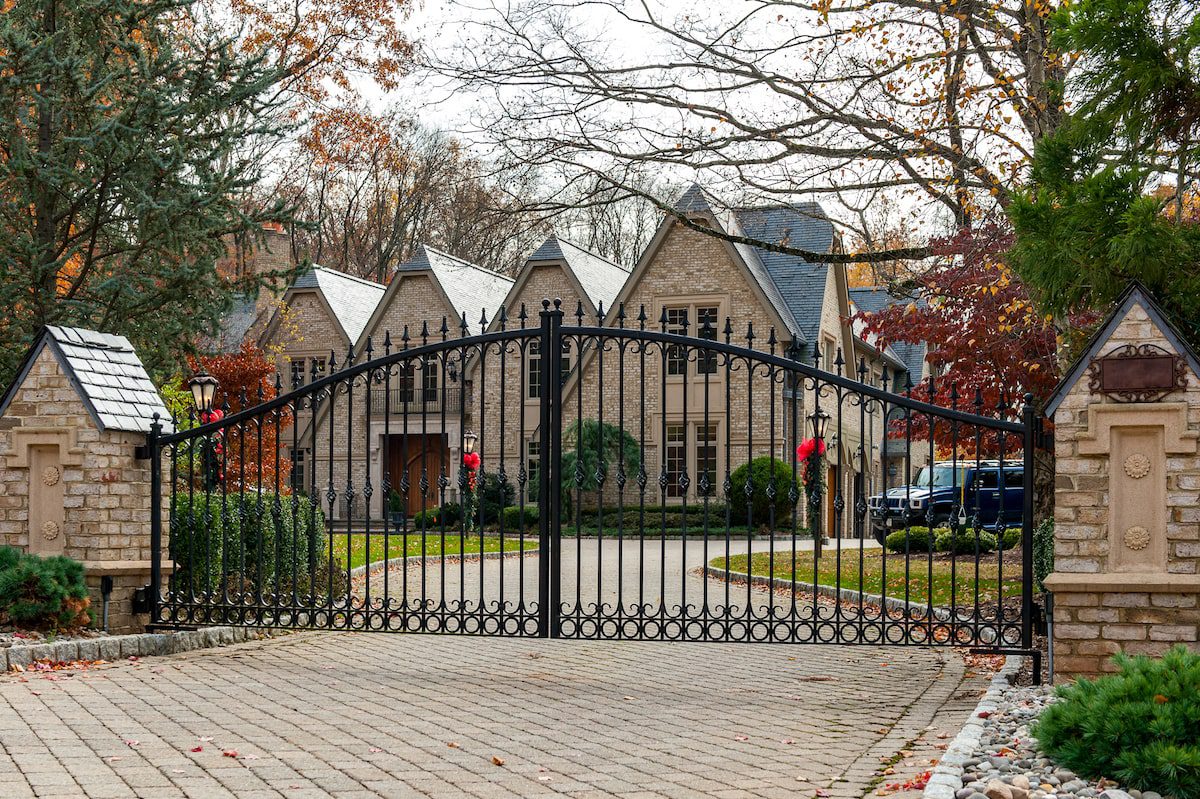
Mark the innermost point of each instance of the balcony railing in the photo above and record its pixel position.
(414, 402)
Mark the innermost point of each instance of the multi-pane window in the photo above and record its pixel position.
(534, 365)
(298, 470)
(676, 357)
(676, 459)
(706, 459)
(429, 383)
(706, 328)
(533, 380)
(532, 455)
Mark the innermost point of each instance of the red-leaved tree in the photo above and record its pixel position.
(987, 343)
(249, 452)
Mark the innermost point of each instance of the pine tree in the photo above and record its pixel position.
(122, 166)
(1090, 220)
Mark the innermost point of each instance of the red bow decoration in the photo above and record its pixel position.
(215, 415)
(809, 446)
(471, 460)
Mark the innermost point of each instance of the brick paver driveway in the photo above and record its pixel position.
(348, 715)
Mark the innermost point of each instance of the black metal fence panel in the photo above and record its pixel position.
(615, 477)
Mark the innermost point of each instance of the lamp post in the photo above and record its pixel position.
(819, 421)
(204, 392)
(469, 440)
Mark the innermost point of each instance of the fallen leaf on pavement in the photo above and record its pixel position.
(453, 744)
(230, 753)
(197, 748)
(499, 761)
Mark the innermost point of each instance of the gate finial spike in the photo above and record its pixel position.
(750, 333)
(387, 340)
(621, 315)
(728, 329)
(370, 350)
(483, 320)
(884, 382)
(662, 318)
(523, 315)
(642, 317)
(839, 361)
(332, 362)
(579, 314)
(404, 337)
(954, 395)
(503, 317)
(425, 332)
(862, 369)
(771, 340)
(600, 314)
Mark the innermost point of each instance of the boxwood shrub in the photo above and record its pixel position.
(964, 541)
(247, 541)
(917, 538)
(1010, 538)
(518, 518)
(759, 473)
(1140, 726)
(42, 593)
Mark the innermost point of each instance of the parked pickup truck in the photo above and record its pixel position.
(992, 490)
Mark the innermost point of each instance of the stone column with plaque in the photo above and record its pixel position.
(1127, 493)
(73, 478)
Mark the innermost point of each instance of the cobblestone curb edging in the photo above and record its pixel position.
(120, 647)
(359, 571)
(945, 780)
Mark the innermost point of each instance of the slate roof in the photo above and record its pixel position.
(471, 289)
(874, 299)
(106, 373)
(236, 324)
(793, 286)
(599, 277)
(351, 298)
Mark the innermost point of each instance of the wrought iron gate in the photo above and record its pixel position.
(633, 479)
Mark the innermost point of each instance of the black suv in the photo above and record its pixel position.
(991, 490)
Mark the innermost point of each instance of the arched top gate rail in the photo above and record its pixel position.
(614, 459)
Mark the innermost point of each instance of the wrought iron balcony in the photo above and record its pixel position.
(398, 401)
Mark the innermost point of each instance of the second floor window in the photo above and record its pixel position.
(426, 391)
(699, 321)
(533, 369)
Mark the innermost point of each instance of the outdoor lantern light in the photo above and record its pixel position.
(204, 390)
(469, 439)
(820, 420)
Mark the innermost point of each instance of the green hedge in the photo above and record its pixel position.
(516, 518)
(449, 514)
(248, 542)
(42, 593)
(1011, 538)
(964, 542)
(913, 539)
(1043, 552)
(1140, 726)
(759, 473)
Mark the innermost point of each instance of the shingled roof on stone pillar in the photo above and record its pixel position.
(106, 373)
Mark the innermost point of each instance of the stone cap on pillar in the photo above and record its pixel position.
(105, 372)
(1135, 295)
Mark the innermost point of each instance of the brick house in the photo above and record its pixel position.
(585, 282)
(415, 426)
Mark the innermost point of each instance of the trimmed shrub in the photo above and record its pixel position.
(248, 542)
(1043, 552)
(42, 593)
(964, 542)
(918, 539)
(750, 483)
(494, 497)
(1140, 726)
(1010, 538)
(449, 514)
(517, 518)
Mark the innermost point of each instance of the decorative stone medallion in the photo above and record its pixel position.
(1137, 537)
(50, 530)
(1137, 466)
(51, 475)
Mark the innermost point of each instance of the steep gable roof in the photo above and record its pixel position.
(874, 299)
(600, 278)
(800, 283)
(471, 289)
(1136, 294)
(106, 373)
(351, 299)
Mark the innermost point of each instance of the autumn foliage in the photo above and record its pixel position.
(250, 449)
(989, 345)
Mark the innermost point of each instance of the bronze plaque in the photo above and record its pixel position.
(1143, 373)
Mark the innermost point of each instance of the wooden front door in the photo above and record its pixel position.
(417, 455)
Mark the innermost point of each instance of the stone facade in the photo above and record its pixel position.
(69, 488)
(1127, 510)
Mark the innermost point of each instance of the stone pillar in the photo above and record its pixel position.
(71, 481)
(1127, 494)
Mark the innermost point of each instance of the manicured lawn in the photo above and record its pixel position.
(957, 577)
(455, 545)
